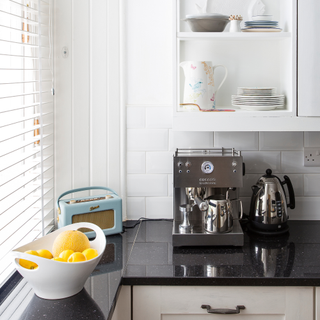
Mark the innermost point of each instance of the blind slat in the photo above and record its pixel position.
(10, 123)
(18, 146)
(34, 116)
(13, 108)
(22, 132)
(24, 82)
(25, 169)
(12, 160)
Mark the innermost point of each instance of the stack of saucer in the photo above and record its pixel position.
(261, 25)
(257, 98)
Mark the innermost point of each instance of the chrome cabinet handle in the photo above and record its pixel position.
(223, 311)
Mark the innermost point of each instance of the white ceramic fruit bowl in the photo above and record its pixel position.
(54, 279)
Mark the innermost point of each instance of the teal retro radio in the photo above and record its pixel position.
(103, 210)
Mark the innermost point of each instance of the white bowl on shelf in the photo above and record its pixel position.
(54, 279)
(262, 17)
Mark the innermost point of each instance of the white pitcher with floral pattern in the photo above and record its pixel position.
(199, 89)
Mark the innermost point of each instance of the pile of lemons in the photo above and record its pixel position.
(69, 246)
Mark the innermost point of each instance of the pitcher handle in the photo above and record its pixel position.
(225, 76)
(241, 210)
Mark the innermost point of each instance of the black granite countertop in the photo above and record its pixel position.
(144, 255)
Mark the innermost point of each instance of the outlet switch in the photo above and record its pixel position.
(312, 157)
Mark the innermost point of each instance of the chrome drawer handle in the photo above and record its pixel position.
(223, 311)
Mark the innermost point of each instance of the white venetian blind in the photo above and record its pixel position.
(26, 126)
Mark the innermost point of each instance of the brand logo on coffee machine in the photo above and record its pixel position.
(207, 181)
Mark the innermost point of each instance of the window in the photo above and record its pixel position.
(26, 126)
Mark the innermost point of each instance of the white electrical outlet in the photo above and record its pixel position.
(312, 157)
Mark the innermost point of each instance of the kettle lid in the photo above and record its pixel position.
(269, 174)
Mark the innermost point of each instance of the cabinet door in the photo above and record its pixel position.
(308, 57)
(123, 305)
(261, 303)
(317, 303)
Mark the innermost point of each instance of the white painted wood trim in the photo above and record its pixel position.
(123, 111)
(89, 103)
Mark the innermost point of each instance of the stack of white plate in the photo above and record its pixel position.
(257, 91)
(257, 99)
(261, 26)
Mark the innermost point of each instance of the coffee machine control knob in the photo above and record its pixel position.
(207, 167)
(180, 164)
(188, 164)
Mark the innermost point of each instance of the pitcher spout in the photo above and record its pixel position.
(183, 64)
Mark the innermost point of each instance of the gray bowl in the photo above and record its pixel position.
(213, 22)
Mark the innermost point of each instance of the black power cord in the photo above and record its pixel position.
(141, 220)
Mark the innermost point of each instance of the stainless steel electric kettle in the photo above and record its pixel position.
(268, 209)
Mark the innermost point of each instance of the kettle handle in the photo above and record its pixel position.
(292, 203)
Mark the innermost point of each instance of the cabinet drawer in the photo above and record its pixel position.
(180, 302)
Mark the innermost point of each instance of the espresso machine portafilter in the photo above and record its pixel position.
(207, 207)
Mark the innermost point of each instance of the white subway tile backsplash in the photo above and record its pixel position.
(136, 162)
(292, 162)
(170, 185)
(297, 183)
(312, 139)
(281, 141)
(307, 208)
(248, 181)
(259, 162)
(136, 117)
(147, 139)
(152, 185)
(136, 208)
(159, 162)
(238, 140)
(312, 185)
(183, 139)
(159, 207)
(159, 117)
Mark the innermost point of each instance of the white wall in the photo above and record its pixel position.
(87, 94)
(84, 138)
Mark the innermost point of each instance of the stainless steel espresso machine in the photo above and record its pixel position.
(206, 205)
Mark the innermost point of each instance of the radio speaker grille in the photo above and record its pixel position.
(103, 219)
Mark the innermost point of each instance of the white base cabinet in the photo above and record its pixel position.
(261, 303)
(123, 305)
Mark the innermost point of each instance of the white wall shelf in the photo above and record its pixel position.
(253, 59)
(241, 121)
(243, 36)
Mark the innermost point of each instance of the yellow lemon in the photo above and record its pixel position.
(77, 257)
(45, 254)
(70, 239)
(29, 264)
(58, 259)
(90, 253)
(66, 254)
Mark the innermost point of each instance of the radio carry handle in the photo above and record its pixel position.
(83, 189)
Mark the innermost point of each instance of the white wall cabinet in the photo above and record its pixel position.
(261, 303)
(308, 58)
(264, 59)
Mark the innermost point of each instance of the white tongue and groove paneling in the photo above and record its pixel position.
(87, 96)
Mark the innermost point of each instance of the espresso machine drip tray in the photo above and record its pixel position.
(200, 237)
(206, 204)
